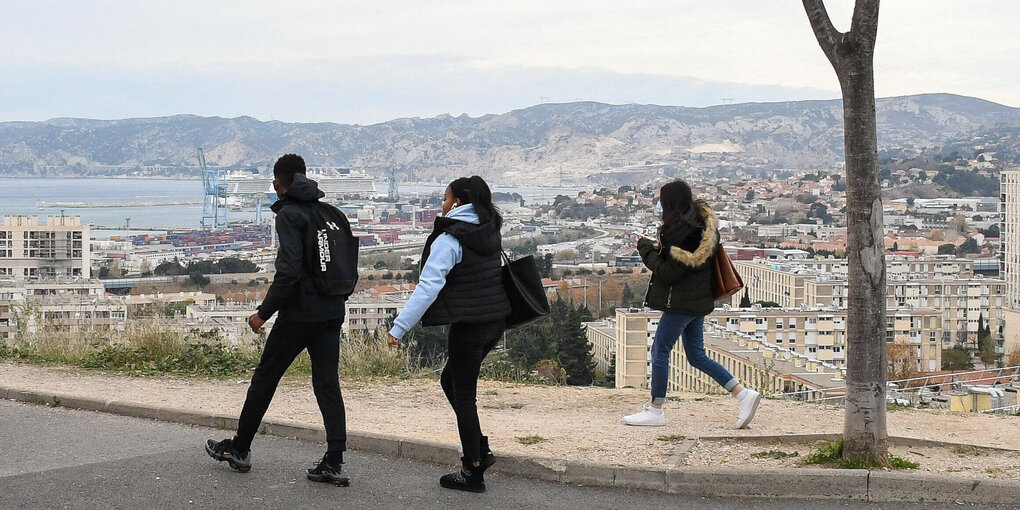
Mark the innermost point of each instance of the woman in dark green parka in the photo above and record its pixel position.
(682, 265)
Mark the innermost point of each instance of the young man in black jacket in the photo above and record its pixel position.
(307, 320)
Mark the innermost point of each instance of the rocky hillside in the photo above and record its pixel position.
(545, 144)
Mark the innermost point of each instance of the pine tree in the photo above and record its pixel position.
(627, 295)
(531, 344)
(745, 302)
(427, 346)
(545, 265)
(574, 351)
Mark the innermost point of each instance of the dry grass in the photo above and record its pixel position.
(152, 348)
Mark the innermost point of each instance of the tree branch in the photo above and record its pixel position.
(828, 37)
(864, 28)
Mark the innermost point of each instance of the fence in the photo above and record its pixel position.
(911, 388)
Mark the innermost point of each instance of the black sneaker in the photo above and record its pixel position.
(469, 478)
(226, 450)
(327, 472)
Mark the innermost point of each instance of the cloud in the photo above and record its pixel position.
(357, 91)
(368, 62)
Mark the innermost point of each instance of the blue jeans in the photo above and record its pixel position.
(671, 327)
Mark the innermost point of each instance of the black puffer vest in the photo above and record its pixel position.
(473, 293)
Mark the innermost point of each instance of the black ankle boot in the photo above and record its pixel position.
(469, 478)
(488, 459)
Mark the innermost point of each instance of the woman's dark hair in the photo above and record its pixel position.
(677, 199)
(473, 190)
(286, 167)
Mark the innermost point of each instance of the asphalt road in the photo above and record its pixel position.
(59, 458)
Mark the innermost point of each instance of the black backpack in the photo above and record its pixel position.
(331, 251)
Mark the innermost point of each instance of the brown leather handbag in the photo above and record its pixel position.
(726, 281)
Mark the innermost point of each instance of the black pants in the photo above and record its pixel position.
(468, 344)
(286, 340)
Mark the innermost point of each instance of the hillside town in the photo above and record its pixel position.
(951, 305)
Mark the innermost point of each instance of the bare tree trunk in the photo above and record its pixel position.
(851, 55)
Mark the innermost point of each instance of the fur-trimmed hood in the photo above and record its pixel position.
(709, 239)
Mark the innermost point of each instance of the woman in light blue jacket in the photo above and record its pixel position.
(461, 285)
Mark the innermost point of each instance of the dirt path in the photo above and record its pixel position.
(575, 423)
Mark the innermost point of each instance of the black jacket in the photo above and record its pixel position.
(292, 292)
(683, 267)
(473, 292)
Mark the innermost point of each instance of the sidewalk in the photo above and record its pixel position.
(577, 426)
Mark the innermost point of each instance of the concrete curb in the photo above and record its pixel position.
(793, 483)
(812, 438)
(813, 483)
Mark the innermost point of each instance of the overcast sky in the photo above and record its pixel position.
(367, 62)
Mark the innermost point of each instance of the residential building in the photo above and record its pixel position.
(140, 302)
(778, 349)
(785, 282)
(78, 313)
(778, 282)
(820, 333)
(602, 337)
(228, 320)
(625, 340)
(369, 313)
(1011, 331)
(963, 302)
(58, 304)
(1009, 234)
(31, 249)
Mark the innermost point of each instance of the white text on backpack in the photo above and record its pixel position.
(324, 248)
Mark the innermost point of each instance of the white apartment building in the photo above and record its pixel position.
(58, 304)
(1009, 235)
(368, 313)
(785, 281)
(820, 333)
(33, 249)
(138, 302)
(229, 320)
(815, 336)
(78, 313)
(963, 303)
(941, 282)
(626, 340)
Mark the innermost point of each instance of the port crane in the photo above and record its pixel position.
(214, 207)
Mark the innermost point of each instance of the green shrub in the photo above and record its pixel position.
(832, 454)
(532, 439)
(499, 367)
(671, 438)
(213, 360)
(774, 454)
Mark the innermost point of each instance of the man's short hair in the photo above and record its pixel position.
(286, 167)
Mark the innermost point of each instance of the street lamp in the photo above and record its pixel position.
(600, 295)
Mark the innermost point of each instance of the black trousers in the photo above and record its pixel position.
(286, 340)
(468, 344)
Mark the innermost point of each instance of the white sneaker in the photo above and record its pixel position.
(747, 408)
(646, 418)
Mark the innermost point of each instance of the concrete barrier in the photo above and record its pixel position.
(797, 483)
(898, 486)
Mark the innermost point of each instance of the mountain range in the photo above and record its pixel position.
(582, 142)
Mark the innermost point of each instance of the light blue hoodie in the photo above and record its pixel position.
(445, 253)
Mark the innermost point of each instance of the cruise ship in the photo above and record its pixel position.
(332, 182)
